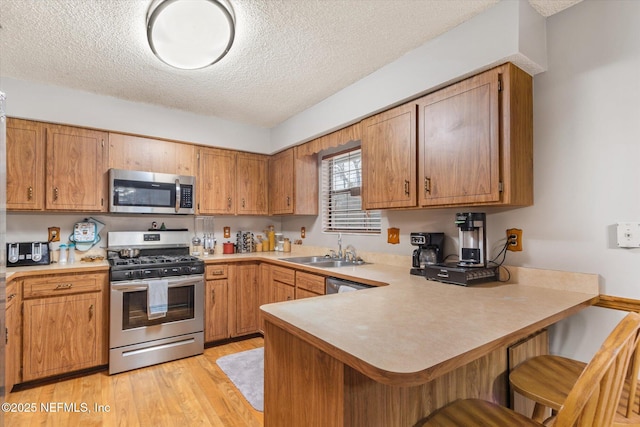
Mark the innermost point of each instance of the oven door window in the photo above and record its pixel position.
(139, 193)
(134, 307)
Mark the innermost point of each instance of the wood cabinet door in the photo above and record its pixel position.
(216, 321)
(246, 299)
(216, 185)
(281, 183)
(252, 190)
(76, 169)
(282, 292)
(13, 337)
(25, 165)
(459, 143)
(62, 334)
(389, 158)
(151, 155)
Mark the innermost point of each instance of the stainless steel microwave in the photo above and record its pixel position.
(150, 192)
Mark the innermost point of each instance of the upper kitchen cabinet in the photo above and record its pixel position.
(25, 164)
(216, 183)
(293, 183)
(475, 141)
(151, 155)
(252, 197)
(76, 168)
(389, 158)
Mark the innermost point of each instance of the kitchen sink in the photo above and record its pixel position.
(323, 261)
(307, 259)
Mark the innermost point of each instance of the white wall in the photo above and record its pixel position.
(510, 31)
(37, 101)
(586, 152)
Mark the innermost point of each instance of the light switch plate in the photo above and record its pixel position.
(629, 234)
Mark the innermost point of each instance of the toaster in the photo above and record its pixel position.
(27, 253)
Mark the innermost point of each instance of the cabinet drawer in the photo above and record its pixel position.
(310, 282)
(55, 285)
(283, 275)
(217, 271)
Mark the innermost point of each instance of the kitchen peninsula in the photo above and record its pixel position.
(391, 355)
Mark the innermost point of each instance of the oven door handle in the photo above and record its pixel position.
(139, 285)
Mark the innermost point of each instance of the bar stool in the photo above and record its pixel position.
(592, 401)
(548, 379)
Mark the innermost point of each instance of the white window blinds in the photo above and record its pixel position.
(341, 201)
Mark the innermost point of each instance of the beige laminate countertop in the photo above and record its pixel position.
(415, 330)
(38, 270)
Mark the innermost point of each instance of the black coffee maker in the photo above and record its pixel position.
(430, 251)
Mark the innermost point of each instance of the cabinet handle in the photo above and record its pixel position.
(213, 296)
(10, 297)
(243, 202)
(427, 185)
(406, 187)
(64, 286)
(217, 272)
(56, 193)
(30, 193)
(229, 203)
(91, 311)
(288, 201)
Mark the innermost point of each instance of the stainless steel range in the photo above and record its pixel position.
(157, 299)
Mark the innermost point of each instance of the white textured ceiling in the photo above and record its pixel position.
(287, 55)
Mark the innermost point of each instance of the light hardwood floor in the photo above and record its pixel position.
(187, 392)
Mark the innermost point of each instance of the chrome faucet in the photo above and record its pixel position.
(340, 245)
(350, 250)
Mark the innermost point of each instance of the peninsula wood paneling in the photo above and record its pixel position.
(291, 397)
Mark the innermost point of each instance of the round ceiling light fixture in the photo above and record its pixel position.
(190, 34)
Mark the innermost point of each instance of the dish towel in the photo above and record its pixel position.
(345, 288)
(157, 298)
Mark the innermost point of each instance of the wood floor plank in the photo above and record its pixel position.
(187, 392)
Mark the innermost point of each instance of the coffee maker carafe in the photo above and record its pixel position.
(472, 240)
(430, 251)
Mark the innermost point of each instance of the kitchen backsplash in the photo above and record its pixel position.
(27, 227)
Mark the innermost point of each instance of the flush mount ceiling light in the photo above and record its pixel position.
(190, 34)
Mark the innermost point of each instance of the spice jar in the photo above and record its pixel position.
(271, 235)
(286, 246)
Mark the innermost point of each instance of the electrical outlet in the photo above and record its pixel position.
(514, 239)
(54, 234)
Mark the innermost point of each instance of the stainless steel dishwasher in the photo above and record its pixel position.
(336, 286)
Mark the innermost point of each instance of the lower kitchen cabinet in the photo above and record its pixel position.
(64, 324)
(282, 292)
(216, 318)
(244, 298)
(13, 336)
(309, 285)
(282, 284)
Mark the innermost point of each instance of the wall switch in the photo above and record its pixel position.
(629, 234)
